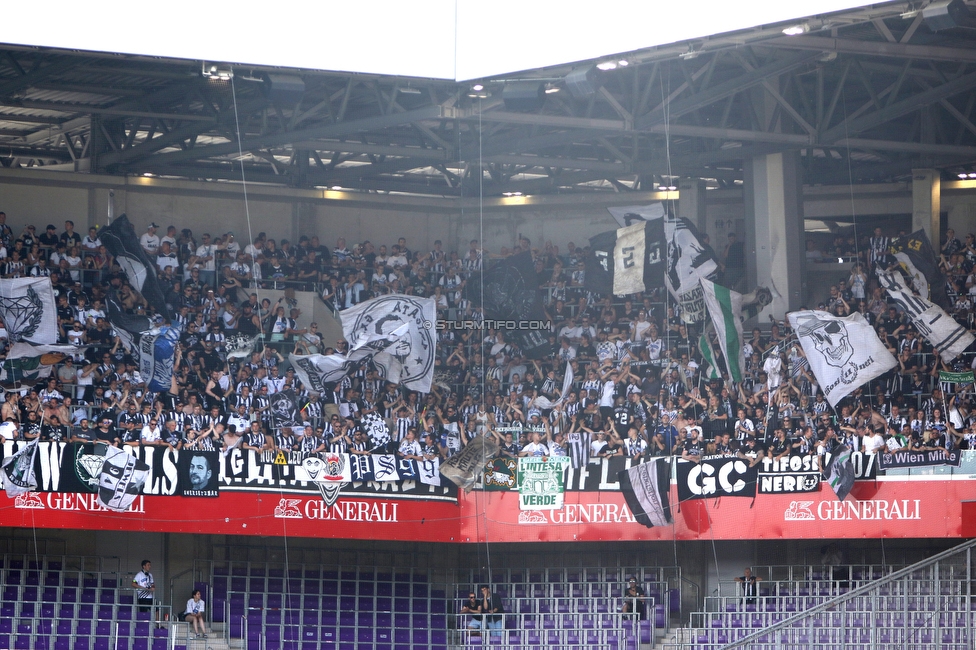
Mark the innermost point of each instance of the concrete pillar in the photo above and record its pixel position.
(774, 230)
(691, 202)
(927, 203)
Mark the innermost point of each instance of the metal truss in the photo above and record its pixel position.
(862, 97)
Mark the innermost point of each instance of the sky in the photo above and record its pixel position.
(441, 39)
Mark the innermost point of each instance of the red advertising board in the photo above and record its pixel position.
(386, 498)
(888, 507)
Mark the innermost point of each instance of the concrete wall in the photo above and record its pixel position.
(41, 197)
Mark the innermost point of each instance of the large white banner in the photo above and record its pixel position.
(403, 329)
(844, 353)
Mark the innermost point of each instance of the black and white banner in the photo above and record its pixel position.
(790, 475)
(844, 353)
(199, 473)
(599, 270)
(646, 488)
(947, 336)
(687, 262)
(121, 479)
(28, 310)
(285, 410)
(919, 458)
(401, 330)
(638, 257)
(716, 477)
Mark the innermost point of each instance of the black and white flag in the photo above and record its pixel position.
(120, 239)
(239, 346)
(401, 330)
(918, 261)
(646, 488)
(688, 261)
(284, 409)
(844, 353)
(318, 371)
(28, 310)
(17, 471)
(375, 427)
(840, 471)
(121, 478)
(947, 336)
(630, 259)
(463, 468)
(631, 214)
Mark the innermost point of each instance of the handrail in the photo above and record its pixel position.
(698, 597)
(833, 603)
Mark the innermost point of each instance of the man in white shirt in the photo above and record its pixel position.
(874, 442)
(207, 257)
(535, 447)
(166, 258)
(150, 240)
(91, 241)
(145, 586)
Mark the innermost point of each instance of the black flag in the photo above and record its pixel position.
(511, 293)
(598, 276)
(120, 239)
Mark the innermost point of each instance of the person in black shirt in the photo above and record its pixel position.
(82, 433)
(753, 451)
(780, 447)
(54, 431)
(106, 432)
(750, 588)
(32, 426)
(692, 447)
(50, 237)
(634, 599)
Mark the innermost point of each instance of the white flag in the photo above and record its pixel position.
(725, 308)
(939, 328)
(628, 260)
(844, 353)
(28, 310)
(407, 355)
(317, 370)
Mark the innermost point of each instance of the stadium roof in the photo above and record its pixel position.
(863, 93)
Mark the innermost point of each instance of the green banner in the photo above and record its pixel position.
(957, 377)
(542, 482)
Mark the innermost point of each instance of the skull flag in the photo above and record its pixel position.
(844, 353)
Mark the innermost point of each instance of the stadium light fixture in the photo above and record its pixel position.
(796, 30)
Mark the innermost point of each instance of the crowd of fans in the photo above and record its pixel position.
(639, 387)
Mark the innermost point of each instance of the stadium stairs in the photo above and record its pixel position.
(925, 606)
